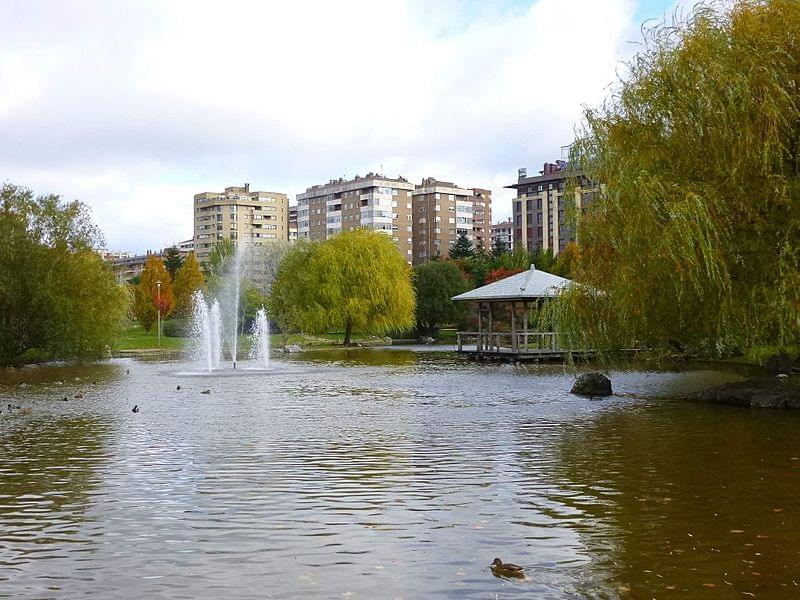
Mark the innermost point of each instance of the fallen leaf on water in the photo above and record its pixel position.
(737, 530)
(710, 585)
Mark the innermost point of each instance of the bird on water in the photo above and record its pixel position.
(501, 569)
(135, 408)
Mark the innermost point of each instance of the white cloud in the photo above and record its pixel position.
(134, 107)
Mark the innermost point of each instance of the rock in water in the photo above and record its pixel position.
(592, 384)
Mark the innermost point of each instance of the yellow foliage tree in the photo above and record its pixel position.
(356, 281)
(188, 279)
(148, 298)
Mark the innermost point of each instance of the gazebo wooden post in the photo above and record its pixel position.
(513, 326)
(480, 326)
(525, 321)
(491, 324)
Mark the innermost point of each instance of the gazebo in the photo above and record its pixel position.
(519, 293)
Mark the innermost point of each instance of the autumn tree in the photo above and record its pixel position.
(694, 239)
(58, 298)
(188, 279)
(149, 297)
(356, 281)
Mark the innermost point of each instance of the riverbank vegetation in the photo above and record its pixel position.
(693, 242)
(58, 298)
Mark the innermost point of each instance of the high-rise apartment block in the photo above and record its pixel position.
(540, 207)
(239, 215)
(443, 211)
(373, 202)
(503, 232)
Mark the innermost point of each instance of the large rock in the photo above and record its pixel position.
(778, 363)
(770, 392)
(292, 348)
(592, 384)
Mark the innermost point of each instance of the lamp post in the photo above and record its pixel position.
(158, 307)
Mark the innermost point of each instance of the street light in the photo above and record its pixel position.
(158, 306)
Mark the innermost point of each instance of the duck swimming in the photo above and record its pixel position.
(206, 392)
(135, 408)
(501, 569)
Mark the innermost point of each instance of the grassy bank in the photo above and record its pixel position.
(135, 338)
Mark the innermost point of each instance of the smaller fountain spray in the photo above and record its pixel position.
(259, 338)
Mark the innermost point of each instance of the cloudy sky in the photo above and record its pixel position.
(133, 107)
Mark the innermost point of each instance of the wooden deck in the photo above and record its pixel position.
(516, 347)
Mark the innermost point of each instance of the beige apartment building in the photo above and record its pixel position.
(503, 232)
(540, 207)
(373, 202)
(239, 215)
(443, 211)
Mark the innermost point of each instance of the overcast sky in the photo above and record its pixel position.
(133, 107)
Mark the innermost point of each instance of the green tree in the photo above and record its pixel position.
(355, 281)
(543, 259)
(435, 283)
(462, 247)
(172, 261)
(58, 298)
(188, 279)
(694, 238)
(499, 247)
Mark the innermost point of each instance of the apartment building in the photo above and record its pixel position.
(374, 202)
(443, 211)
(482, 218)
(239, 215)
(293, 223)
(503, 232)
(540, 207)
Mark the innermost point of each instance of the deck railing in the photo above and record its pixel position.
(503, 342)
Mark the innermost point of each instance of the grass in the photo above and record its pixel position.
(135, 338)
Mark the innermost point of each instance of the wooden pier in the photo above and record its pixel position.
(514, 347)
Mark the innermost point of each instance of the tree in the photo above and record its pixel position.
(150, 298)
(172, 261)
(188, 279)
(58, 298)
(694, 239)
(462, 247)
(501, 273)
(355, 281)
(543, 259)
(435, 283)
(499, 247)
(565, 261)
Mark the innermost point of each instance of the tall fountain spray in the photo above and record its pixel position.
(237, 284)
(259, 336)
(205, 332)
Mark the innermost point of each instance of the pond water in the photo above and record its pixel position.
(390, 474)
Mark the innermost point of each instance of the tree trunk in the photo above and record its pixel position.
(348, 329)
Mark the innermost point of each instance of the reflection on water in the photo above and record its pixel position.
(390, 474)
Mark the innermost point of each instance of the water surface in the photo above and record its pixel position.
(390, 474)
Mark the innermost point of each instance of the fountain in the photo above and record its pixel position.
(214, 326)
(259, 336)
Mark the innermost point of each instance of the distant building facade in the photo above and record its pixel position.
(239, 215)
(503, 231)
(539, 208)
(373, 202)
(443, 211)
(293, 223)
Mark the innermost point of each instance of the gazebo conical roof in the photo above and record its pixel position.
(528, 285)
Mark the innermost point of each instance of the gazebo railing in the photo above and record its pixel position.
(498, 342)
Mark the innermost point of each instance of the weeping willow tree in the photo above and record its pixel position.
(694, 240)
(354, 281)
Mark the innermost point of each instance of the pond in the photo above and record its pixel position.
(389, 474)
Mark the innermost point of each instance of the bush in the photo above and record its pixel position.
(175, 328)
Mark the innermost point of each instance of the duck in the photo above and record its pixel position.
(206, 392)
(14, 406)
(178, 388)
(135, 408)
(501, 569)
(23, 385)
(65, 399)
(79, 395)
(60, 382)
